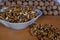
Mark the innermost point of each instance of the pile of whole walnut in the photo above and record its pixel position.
(45, 31)
(17, 14)
(48, 7)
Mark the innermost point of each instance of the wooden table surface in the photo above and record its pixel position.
(10, 34)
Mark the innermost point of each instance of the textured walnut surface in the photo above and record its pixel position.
(48, 7)
(17, 14)
(45, 31)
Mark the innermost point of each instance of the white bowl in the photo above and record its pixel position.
(18, 26)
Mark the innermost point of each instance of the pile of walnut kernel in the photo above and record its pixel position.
(44, 31)
(17, 14)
